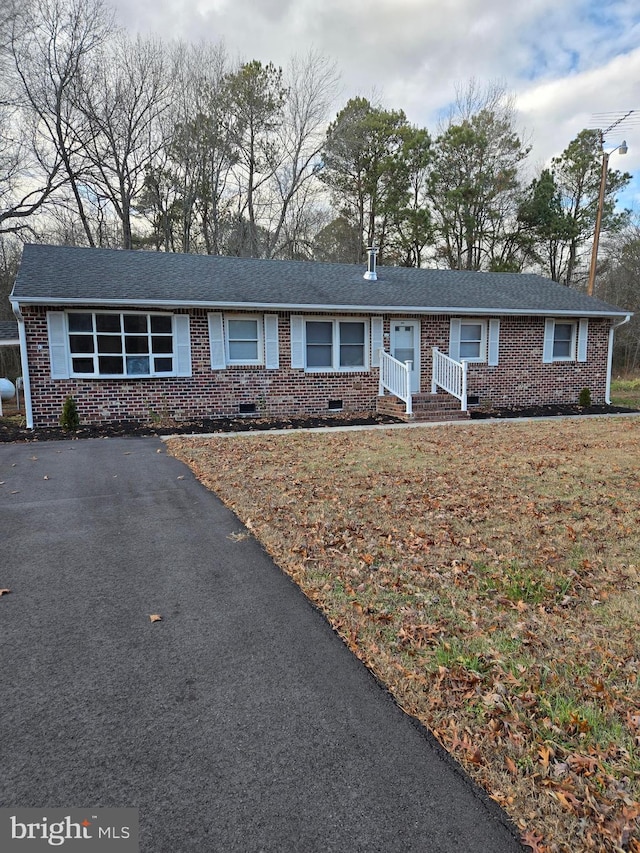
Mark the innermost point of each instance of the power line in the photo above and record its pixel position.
(631, 119)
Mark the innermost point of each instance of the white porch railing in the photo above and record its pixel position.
(395, 377)
(450, 375)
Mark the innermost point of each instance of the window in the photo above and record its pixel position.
(119, 344)
(335, 344)
(468, 340)
(565, 340)
(243, 340)
(351, 344)
(472, 341)
(320, 344)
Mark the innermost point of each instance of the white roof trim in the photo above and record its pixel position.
(302, 307)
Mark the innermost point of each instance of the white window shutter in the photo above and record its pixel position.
(583, 333)
(271, 347)
(377, 341)
(494, 342)
(547, 352)
(297, 341)
(216, 342)
(57, 329)
(454, 340)
(182, 339)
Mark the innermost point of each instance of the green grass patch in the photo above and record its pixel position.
(626, 392)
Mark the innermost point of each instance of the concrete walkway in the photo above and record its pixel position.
(240, 722)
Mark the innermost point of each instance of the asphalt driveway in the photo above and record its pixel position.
(240, 722)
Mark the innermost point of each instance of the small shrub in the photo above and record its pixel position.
(69, 419)
(585, 398)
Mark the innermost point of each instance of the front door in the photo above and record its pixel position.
(405, 346)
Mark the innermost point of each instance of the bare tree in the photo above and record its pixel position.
(312, 86)
(123, 98)
(9, 264)
(50, 43)
(202, 151)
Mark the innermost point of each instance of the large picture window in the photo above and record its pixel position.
(335, 344)
(120, 344)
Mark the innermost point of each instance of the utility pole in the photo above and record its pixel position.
(622, 148)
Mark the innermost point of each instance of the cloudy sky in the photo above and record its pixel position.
(565, 61)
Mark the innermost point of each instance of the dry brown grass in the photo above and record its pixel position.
(489, 575)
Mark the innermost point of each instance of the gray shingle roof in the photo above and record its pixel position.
(59, 275)
(8, 331)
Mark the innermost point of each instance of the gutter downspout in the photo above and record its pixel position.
(26, 389)
(614, 326)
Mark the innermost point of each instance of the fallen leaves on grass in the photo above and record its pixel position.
(534, 841)
(489, 577)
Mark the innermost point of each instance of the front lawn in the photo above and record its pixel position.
(488, 574)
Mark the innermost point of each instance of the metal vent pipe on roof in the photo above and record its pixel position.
(371, 274)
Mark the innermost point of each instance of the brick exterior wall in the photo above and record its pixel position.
(520, 378)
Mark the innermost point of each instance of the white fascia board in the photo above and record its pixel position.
(323, 307)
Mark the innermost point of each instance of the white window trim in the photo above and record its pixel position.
(335, 344)
(246, 362)
(268, 343)
(549, 341)
(176, 353)
(456, 339)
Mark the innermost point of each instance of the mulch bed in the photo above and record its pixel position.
(549, 411)
(10, 430)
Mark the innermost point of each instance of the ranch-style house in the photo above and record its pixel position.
(133, 335)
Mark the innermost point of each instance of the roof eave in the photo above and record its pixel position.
(302, 307)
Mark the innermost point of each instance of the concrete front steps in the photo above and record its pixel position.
(426, 407)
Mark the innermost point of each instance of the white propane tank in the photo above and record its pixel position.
(7, 389)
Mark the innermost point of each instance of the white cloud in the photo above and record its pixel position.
(558, 110)
(564, 61)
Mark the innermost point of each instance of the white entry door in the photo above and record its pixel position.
(405, 346)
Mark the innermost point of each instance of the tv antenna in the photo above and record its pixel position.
(630, 119)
